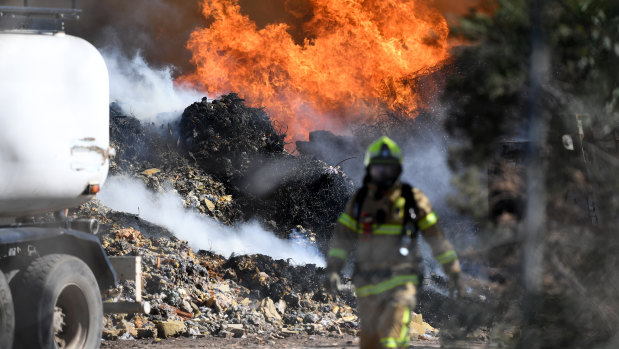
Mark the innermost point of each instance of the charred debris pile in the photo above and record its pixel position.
(228, 160)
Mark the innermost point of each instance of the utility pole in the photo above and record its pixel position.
(535, 212)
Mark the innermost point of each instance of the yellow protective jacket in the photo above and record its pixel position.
(379, 266)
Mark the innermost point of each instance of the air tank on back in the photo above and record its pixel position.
(54, 122)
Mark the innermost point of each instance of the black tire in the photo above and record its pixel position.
(7, 315)
(58, 305)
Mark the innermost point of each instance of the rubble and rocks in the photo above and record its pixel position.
(200, 293)
(203, 294)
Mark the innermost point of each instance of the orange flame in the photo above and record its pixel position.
(354, 59)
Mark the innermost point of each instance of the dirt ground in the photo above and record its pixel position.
(294, 342)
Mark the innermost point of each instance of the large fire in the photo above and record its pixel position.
(338, 62)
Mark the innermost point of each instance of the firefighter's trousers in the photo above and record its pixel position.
(385, 318)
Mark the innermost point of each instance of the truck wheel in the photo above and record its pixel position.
(58, 305)
(7, 316)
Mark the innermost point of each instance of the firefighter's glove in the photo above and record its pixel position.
(455, 286)
(333, 282)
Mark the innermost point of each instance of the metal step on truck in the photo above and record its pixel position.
(54, 155)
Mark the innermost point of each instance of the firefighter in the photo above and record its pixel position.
(382, 219)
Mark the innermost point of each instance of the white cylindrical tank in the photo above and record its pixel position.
(54, 122)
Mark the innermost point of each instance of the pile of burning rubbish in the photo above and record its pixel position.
(219, 158)
(223, 149)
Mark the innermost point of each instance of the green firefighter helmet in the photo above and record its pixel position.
(383, 151)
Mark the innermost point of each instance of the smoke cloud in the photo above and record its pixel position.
(130, 195)
(143, 91)
(425, 167)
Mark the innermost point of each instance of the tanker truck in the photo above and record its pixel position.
(54, 155)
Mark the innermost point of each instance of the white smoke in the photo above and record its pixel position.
(425, 167)
(130, 195)
(145, 92)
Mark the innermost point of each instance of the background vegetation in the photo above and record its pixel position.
(554, 64)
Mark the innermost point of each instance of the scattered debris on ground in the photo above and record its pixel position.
(198, 293)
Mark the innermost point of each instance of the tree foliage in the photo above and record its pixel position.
(487, 90)
(489, 96)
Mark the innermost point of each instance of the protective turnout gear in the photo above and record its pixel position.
(386, 317)
(383, 151)
(384, 278)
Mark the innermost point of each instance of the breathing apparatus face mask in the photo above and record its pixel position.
(384, 175)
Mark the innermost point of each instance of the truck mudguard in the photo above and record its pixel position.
(54, 240)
